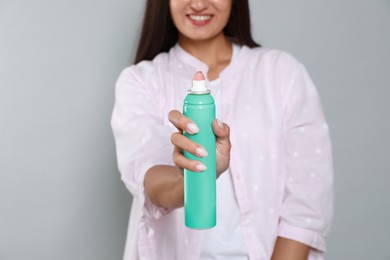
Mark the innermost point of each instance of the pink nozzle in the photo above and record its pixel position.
(199, 76)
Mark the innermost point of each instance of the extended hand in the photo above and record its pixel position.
(180, 142)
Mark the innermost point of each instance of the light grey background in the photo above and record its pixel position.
(60, 191)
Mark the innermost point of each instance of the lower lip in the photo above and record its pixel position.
(200, 23)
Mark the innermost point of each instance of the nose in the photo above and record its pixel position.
(199, 5)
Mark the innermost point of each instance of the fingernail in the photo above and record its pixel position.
(192, 128)
(220, 123)
(201, 167)
(201, 152)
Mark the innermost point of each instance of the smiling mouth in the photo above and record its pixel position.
(200, 18)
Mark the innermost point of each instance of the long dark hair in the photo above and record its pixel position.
(159, 33)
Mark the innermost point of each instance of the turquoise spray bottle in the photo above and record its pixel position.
(200, 187)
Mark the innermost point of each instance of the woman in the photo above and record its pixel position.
(274, 191)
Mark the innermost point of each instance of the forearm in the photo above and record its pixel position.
(287, 249)
(165, 186)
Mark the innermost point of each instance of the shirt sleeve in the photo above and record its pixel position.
(142, 140)
(308, 200)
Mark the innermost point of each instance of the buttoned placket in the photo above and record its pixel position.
(243, 202)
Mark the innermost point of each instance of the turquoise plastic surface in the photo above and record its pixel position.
(200, 187)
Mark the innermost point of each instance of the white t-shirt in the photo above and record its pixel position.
(225, 240)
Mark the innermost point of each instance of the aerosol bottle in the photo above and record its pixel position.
(200, 187)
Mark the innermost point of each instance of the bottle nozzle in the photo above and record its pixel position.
(199, 84)
(199, 76)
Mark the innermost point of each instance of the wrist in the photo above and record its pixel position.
(164, 186)
(290, 249)
(178, 188)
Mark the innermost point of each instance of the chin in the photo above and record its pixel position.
(200, 36)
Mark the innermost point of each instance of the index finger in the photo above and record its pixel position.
(181, 122)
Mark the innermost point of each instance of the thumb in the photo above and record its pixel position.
(222, 131)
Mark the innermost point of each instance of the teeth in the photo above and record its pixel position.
(200, 17)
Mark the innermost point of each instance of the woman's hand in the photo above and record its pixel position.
(164, 184)
(180, 142)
